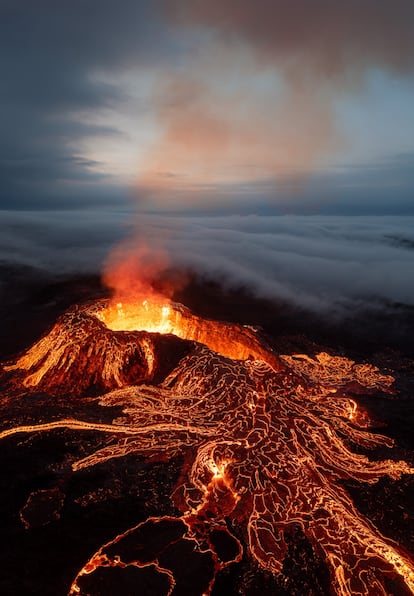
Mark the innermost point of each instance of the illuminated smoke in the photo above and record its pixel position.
(327, 38)
(130, 270)
(257, 100)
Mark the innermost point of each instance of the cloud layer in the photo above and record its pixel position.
(320, 263)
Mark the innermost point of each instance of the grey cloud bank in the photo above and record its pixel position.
(318, 262)
(321, 263)
(59, 242)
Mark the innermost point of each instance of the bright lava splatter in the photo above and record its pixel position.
(267, 442)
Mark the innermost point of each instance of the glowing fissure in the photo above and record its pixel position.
(270, 446)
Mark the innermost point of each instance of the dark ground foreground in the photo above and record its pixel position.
(71, 517)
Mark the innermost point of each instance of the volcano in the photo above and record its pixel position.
(267, 452)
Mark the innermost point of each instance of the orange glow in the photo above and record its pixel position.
(131, 270)
(155, 316)
(158, 315)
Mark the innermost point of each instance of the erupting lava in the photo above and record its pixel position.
(153, 316)
(267, 443)
(164, 317)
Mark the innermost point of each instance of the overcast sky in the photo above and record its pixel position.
(275, 106)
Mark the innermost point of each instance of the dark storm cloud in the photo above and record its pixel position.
(50, 53)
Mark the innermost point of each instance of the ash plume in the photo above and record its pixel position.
(327, 38)
(259, 98)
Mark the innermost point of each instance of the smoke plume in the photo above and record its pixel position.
(258, 99)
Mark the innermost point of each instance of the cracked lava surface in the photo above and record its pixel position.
(268, 441)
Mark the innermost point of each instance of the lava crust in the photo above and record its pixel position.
(267, 444)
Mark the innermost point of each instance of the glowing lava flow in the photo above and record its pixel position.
(270, 447)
